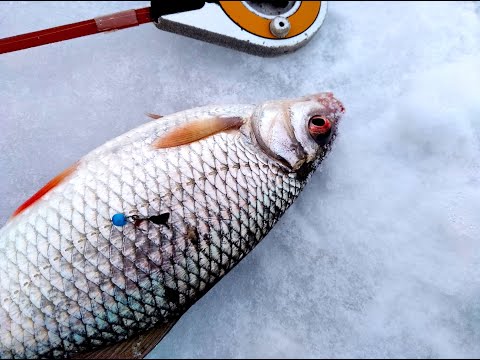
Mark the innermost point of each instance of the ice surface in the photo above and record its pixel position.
(380, 254)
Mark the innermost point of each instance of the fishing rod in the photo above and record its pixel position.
(264, 28)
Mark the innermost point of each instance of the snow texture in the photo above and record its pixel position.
(379, 257)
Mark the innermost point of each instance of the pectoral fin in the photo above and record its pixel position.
(196, 130)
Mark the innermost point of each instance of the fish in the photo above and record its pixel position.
(106, 257)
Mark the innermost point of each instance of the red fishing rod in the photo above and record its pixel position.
(116, 21)
(264, 28)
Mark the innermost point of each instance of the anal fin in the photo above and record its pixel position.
(137, 347)
(57, 180)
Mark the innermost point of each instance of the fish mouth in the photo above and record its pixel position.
(330, 103)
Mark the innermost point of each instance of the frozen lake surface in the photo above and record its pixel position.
(380, 255)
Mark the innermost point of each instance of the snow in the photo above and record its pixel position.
(379, 256)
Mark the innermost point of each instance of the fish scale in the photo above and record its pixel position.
(72, 281)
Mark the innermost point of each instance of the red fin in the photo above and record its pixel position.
(197, 130)
(134, 348)
(49, 186)
(153, 116)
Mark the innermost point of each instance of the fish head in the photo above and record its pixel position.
(297, 133)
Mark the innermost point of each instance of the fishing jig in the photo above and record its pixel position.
(121, 219)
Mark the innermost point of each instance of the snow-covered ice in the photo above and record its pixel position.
(380, 255)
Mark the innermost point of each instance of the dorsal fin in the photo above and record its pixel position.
(134, 348)
(196, 130)
(57, 180)
(153, 116)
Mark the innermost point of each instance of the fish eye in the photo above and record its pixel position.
(320, 129)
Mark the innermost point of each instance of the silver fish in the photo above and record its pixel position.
(190, 193)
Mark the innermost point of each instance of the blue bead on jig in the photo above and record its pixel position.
(119, 219)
